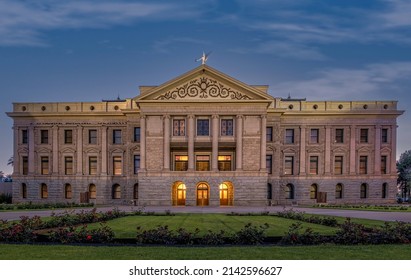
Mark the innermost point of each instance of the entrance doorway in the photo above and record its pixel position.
(226, 194)
(202, 194)
(179, 194)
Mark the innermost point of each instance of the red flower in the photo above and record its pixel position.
(89, 237)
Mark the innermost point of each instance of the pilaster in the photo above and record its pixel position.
(191, 132)
(166, 137)
(263, 143)
(214, 151)
(239, 143)
(352, 150)
(302, 150)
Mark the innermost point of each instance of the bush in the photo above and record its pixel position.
(295, 236)
(5, 198)
(82, 234)
(351, 233)
(24, 231)
(300, 216)
(213, 238)
(250, 235)
(159, 235)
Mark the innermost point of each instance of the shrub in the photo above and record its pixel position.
(295, 236)
(159, 235)
(250, 235)
(213, 238)
(351, 233)
(82, 234)
(5, 198)
(23, 231)
(296, 215)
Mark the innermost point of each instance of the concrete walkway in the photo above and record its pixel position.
(373, 215)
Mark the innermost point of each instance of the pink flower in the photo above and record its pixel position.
(88, 237)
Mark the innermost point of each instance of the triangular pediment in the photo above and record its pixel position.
(203, 83)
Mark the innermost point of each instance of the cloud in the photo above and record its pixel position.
(397, 14)
(164, 46)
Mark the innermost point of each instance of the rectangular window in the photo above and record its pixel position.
(314, 165)
(24, 136)
(68, 165)
(269, 134)
(224, 163)
(203, 127)
(383, 164)
(363, 164)
(384, 135)
(92, 165)
(68, 136)
(314, 136)
(92, 136)
(137, 134)
(227, 127)
(44, 165)
(181, 163)
(203, 163)
(25, 161)
(269, 163)
(289, 136)
(117, 165)
(338, 165)
(339, 135)
(289, 165)
(44, 136)
(116, 136)
(136, 163)
(364, 135)
(179, 127)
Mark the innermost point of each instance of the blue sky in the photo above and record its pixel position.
(53, 51)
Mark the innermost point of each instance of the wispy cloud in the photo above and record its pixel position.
(165, 45)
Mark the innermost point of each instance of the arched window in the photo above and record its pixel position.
(289, 191)
(338, 191)
(92, 191)
(363, 191)
(44, 191)
(269, 191)
(67, 191)
(135, 192)
(384, 191)
(313, 191)
(24, 190)
(116, 191)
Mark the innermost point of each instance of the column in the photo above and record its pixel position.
(31, 150)
(263, 144)
(377, 154)
(327, 156)
(239, 143)
(79, 150)
(16, 156)
(302, 150)
(55, 150)
(104, 150)
(214, 149)
(393, 162)
(191, 132)
(142, 143)
(166, 137)
(352, 150)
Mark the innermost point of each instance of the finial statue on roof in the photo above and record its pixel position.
(203, 58)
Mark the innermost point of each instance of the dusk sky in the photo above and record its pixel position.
(57, 51)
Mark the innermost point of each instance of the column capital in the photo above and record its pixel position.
(143, 116)
(191, 116)
(263, 116)
(166, 116)
(239, 116)
(215, 116)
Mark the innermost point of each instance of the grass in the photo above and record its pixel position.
(390, 208)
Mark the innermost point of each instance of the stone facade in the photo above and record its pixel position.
(205, 139)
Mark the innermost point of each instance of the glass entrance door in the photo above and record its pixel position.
(202, 195)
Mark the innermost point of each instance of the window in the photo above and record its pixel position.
(314, 134)
(137, 134)
(269, 191)
(289, 165)
(92, 136)
(338, 191)
(364, 135)
(363, 191)
(383, 164)
(224, 163)
(68, 136)
(338, 165)
(92, 191)
(136, 163)
(92, 165)
(289, 191)
(339, 135)
(269, 163)
(67, 191)
(179, 127)
(44, 191)
(181, 163)
(289, 136)
(44, 136)
(24, 190)
(269, 134)
(384, 135)
(116, 191)
(116, 136)
(25, 161)
(363, 164)
(313, 191)
(227, 127)
(44, 165)
(203, 127)
(117, 165)
(203, 163)
(68, 165)
(135, 191)
(314, 165)
(24, 136)
(384, 191)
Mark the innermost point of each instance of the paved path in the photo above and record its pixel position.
(373, 215)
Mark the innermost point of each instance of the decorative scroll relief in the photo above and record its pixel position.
(203, 88)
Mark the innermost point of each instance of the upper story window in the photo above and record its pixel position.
(68, 136)
(363, 164)
(203, 127)
(384, 135)
(117, 165)
(92, 165)
(44, 164)
(289, 165)
(137, 134)
(339, 135)
(179, 127)
(269, 134)
(24, 136)
(25, 167)
(338, 165)
(227, 126)
(224, 163)
(314, 165)
(92, 136)
(136, 163)
(116, 136)
(44, 136)
(314, 135)
(181, 163)
(68, 165)
(384, 165)
(289, 136)
(364, 135)
(203, 163)
(269, 163)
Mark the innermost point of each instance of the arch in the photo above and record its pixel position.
(339, 191)
(92, 190)
(67, 191)
(116, 191)
(24, 190)
(269, 191)
(179, 192)
(203, 194)
(226, 194)
(313, 191)
(135, 191)
(363, 190)
(384, 190)
(289, 191)
(44, 191)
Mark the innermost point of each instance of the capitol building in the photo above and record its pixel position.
(205, 139)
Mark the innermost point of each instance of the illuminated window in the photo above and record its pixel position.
(313, 191)
(224, 163)
(181, 163)
(44, 191)
(67, 191)
(92, 190)
(203, 163)
(116, 191)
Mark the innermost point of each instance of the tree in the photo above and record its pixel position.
(11, 161)
(404, 173)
